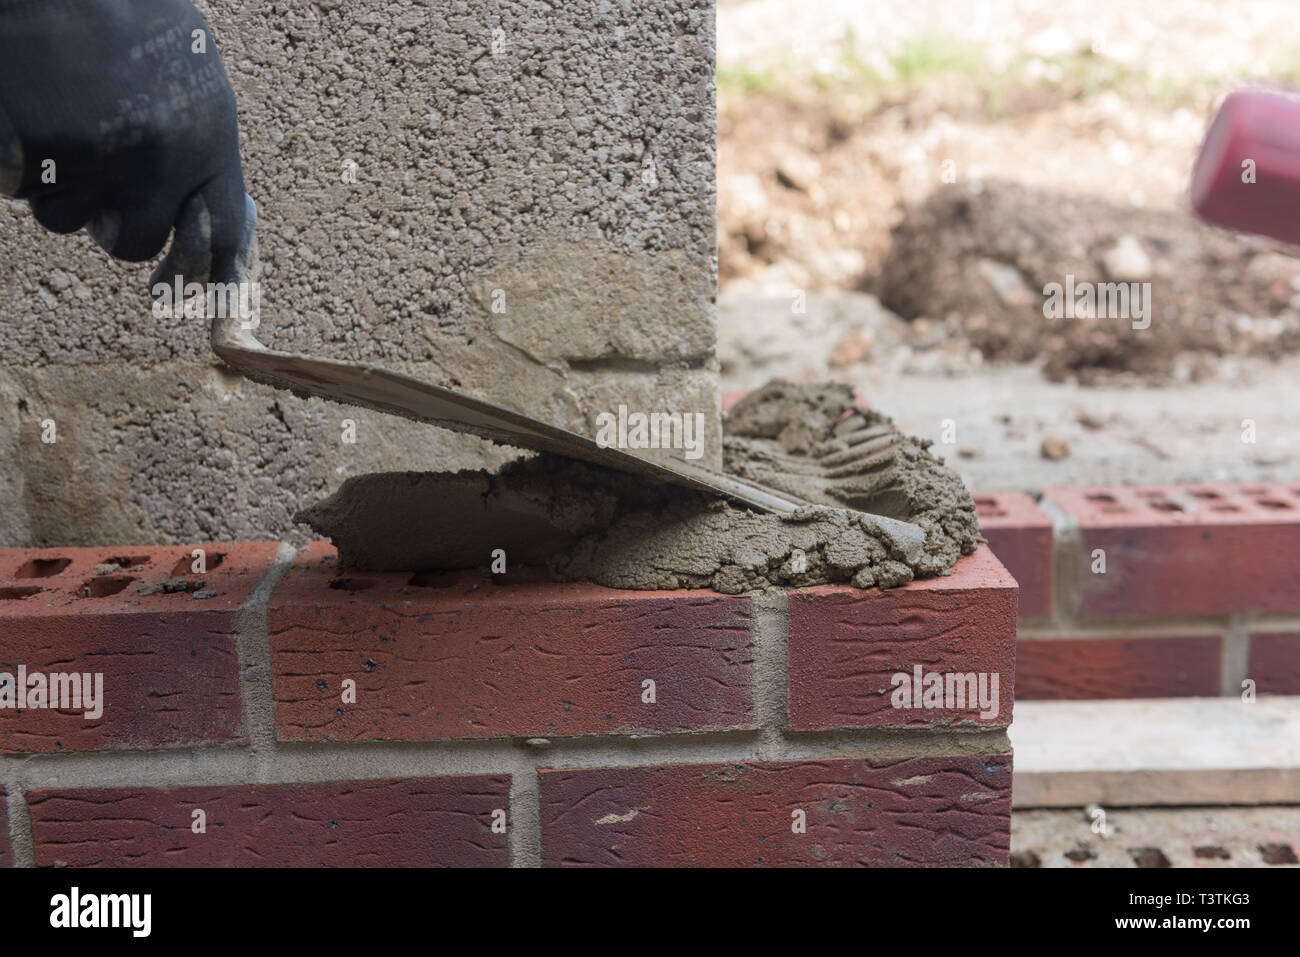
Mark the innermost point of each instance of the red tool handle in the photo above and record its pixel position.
(1247, 176)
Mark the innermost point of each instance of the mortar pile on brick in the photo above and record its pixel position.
(1153, 592)
(304, 713)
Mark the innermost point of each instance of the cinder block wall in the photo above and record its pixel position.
(1155, 592)
(553, 161)
(316, 716)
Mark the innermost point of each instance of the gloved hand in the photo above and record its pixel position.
(118, 114)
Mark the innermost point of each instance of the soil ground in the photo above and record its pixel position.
(998, 416)
(899, 180)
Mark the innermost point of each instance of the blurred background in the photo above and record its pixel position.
(897, 182)
(917, 170)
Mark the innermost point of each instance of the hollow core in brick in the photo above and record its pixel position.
(105, 586)
(42, 567)
(19, 592)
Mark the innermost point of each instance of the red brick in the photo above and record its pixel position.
(931, 811)
(846, 645)
(1020, 535)
(1193, 550)
(1087, 668)
(473, 659)
(1275, 663)
(6, 856)
(411, 822)
(169, 661)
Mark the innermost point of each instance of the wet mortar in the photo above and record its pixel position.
(586, 523)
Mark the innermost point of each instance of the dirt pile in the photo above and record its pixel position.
(592, 524)
(983, 259)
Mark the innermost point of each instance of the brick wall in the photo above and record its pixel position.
(1152, 592)
(269, 708)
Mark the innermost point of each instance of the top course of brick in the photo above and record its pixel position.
(1183, 550)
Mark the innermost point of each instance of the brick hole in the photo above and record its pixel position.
(1104, 497)
(1148, 857)
(19, 592)
(42, 567)
(1278, 854)
(177, 586)
(1166, 506)
(1212, 851)
(126, 561)
(1271, 503)
(1081, 852)
(1224, 508)
(433, 579)
(213, 561)
(105, 586)
(986, 506)
(353, 584)
(1026, 859)
(1205, 494)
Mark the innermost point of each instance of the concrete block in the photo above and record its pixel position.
(532, 221)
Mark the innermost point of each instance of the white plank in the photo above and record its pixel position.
(1168, 751)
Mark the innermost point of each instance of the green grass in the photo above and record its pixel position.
(851, 85)
(740, 81)
(936, 54)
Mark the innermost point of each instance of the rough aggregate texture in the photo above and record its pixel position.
(594, 524)
(532, 221)
(984, 259)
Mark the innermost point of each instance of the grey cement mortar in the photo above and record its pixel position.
(572, 170)
(593, 524)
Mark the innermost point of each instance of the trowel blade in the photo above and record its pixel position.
(371, 387)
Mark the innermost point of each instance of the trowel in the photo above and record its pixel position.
(372, 387)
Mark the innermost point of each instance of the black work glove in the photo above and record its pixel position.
(119, 116)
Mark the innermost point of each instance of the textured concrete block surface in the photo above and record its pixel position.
(515, 200)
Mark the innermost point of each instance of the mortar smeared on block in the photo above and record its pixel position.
(585, 522)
